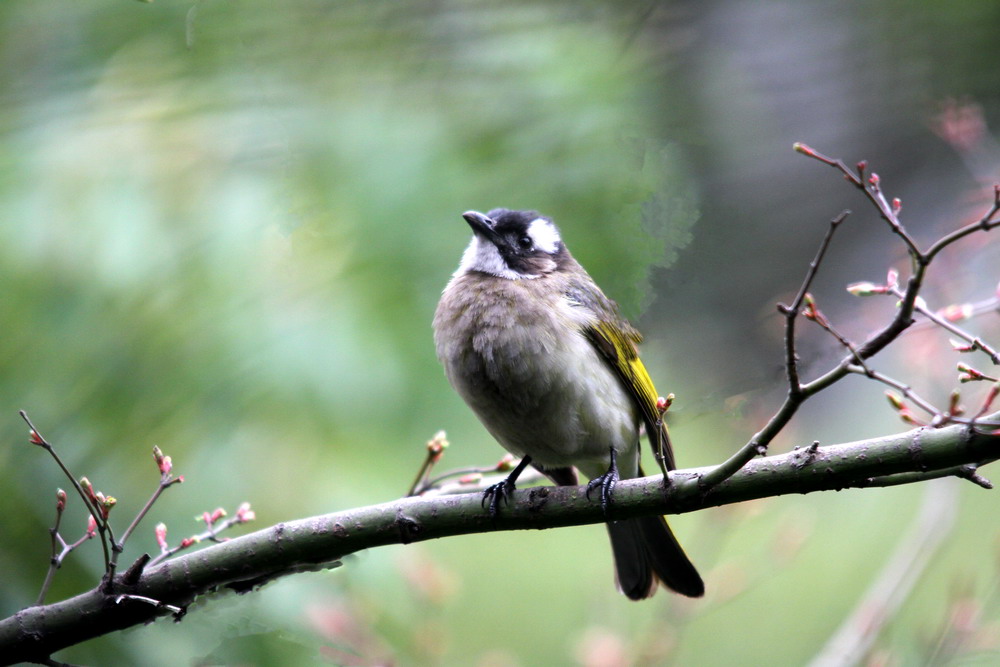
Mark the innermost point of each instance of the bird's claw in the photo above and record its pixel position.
(606, 483)
(495, 494)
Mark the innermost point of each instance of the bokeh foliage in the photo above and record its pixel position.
(225, 228)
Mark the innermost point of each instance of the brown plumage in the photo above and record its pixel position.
(551, 369)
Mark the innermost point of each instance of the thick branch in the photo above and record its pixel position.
(318, 542)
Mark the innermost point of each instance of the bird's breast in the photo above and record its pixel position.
(515, 351)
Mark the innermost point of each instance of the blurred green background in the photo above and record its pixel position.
(225, 226)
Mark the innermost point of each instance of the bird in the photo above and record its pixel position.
(550, 367)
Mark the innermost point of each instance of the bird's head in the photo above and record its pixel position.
(512, 244)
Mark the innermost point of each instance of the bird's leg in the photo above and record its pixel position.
(606, 483)
(501, 490)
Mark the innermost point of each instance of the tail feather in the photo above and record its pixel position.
(646, 553)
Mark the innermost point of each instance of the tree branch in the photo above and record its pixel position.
(244, 563)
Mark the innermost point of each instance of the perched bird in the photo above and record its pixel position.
(550, 367)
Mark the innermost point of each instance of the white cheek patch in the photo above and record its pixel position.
(544, 234)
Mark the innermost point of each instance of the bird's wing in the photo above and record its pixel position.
(616, 340)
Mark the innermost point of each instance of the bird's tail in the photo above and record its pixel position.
(646, 552)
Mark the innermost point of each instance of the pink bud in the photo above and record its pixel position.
(864, 289)
(505, 464)
(862, 165)
(892, 278)
(161, 536)
(897, 205)
(437, 444)
(88, 488)
(91, 525)
(244, 513)
(34, 438)
(799, 147)
(958, 312)
(873, 180)
(60, 500)
(959, 346)
(186, 542)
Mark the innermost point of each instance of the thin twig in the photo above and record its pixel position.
(872, 190)
(951, 327)
(799, 392)
(902, 387)
(758, 444)
(985, 223)
(102, 524)
(166, 480)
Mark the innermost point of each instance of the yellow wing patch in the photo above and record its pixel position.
(618, 348)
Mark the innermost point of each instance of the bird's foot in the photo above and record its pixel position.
(606, 483)
(500, 492)
(497, 493)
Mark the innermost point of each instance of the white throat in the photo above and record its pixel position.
(483, 256)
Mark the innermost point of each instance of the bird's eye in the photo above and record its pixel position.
(525, 242)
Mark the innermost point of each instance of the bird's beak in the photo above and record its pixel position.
(482, 225)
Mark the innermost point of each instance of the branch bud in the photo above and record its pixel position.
(244, 513)
(865, 289)
(216, 514)
(800, 147)
(91, 526)
(505, 464)
(60, 500)
(161, 536)
(897, 205)
(437, 445)
(895, 400)
(961, 346)
(967, 373)
(34, 438)
(954, 407)
(957, 312)
(106, 504)
(908, 418)
(162, 462)
(809, 307)
(88, 488)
